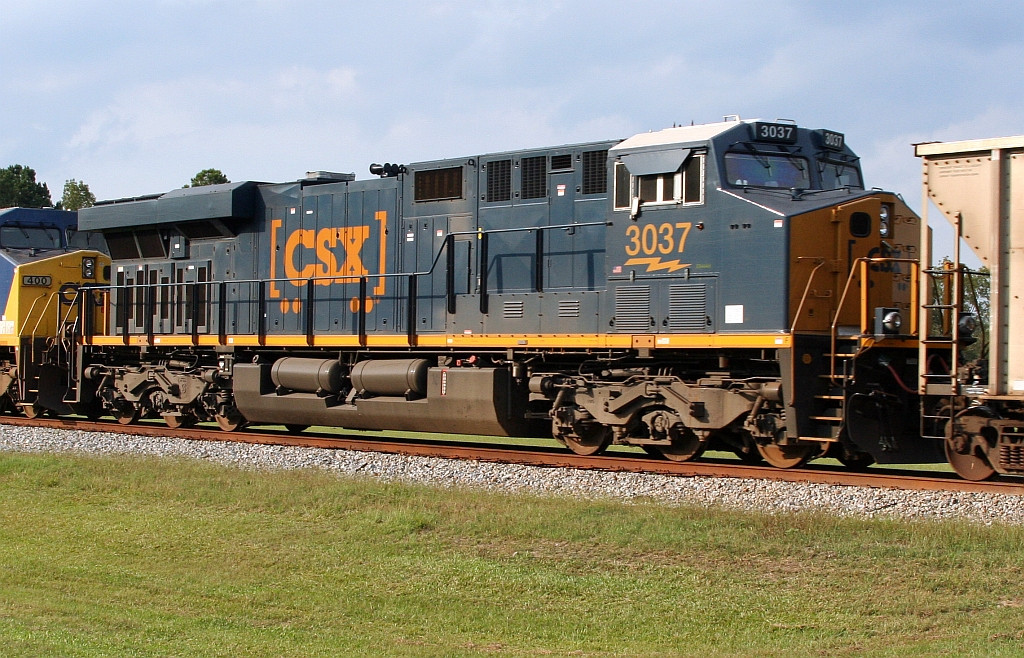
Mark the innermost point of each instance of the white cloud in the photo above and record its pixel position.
(135, 102)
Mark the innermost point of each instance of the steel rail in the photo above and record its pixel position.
(541, 456)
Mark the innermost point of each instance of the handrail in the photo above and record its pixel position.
(796, 316)
(446, 247)
(354, 278)
(859, 269)
(807, 290)
(28, 316)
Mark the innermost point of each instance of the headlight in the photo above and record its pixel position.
(892, 321)
(883, 221)
(88, 268)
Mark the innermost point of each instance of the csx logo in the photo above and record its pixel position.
(332, 255)
(323, 244)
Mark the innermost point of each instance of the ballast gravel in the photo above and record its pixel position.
(770, 496)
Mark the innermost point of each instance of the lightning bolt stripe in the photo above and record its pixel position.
(656, 264)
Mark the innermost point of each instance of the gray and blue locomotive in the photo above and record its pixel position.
(730, 284)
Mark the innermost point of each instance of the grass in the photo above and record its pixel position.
(127, 556)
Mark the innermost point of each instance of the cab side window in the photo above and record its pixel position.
(683, 186)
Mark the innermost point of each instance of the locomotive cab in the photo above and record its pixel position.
(42, 267)
(761, 235)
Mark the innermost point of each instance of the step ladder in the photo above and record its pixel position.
(938, 385)
(832, 389)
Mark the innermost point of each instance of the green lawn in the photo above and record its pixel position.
(126, 556)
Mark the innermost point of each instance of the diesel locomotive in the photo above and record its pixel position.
(731, 285)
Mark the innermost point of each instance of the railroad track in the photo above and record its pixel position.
(541, 456)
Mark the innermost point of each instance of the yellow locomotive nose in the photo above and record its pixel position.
(43, 295)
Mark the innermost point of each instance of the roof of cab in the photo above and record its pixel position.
(678, 136)
(38, 216)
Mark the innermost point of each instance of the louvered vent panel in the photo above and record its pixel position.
(535, 177)
(595, 172)
(499, 180)
(512, 310)
(687, 307)
(568, 308)
(559, 162)
(633, 308)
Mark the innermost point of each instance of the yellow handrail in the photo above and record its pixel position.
(860, 270)
(807, 290)
(28, 316)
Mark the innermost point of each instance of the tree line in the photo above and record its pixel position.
(19, 189)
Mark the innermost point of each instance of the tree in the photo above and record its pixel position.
(18, 188)
(977, 286)
(977, 293)
(208, 177)
(76, 196)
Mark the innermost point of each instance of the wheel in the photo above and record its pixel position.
(856, 461)
(653, 451)
(969, 467)
(125, 413)
(296, 429)
(588, 438)
(686, 445)
(786, 456)
(33, 410)
(751, 456)
(230, 421)
(182, 420)
(738, 442)
(961, 454)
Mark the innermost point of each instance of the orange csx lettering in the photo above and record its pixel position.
(323, 244)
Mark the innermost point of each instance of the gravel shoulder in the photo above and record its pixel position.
(773, 497)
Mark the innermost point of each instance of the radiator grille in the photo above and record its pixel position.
(595, 172)
(633, 308)
(512, 310)
(568, 308)
(437, 184)
(535, 177)
(687, 307)
(561, 162)
(499, 180)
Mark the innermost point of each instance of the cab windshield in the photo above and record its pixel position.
(29, 237)
(86, 240)
(839, 174)
(767, 170)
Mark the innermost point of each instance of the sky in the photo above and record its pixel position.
(135, 98)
